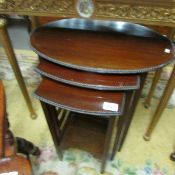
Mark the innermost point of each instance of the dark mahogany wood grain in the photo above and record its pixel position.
(15, 164)
(101, 46)
(79, 99)
(87, 79)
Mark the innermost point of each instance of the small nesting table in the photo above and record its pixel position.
(95, 68)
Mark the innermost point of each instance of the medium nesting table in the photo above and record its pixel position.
(95, 70)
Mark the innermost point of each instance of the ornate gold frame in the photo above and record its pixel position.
(159, 12)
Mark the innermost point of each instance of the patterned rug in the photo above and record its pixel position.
(28, 60)
(78, 162)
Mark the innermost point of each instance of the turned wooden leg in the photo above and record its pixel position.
(161, 106)
(172, 156)
(132, 109)
(34, 22)
(52, 122)
(156, 78)
(121, 123)
(157, 75)
(110, 128)
(5, 40)
(126, 121)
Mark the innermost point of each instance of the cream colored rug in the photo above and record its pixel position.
(137, 156)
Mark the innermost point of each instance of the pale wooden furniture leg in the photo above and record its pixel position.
(110, 128)
(5, 40)
(172, 156)
(34, 22)
(162, 104)
(157, 75)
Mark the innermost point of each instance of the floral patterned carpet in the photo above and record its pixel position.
(79, 162)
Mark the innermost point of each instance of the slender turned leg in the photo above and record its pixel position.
(125, 123)
(34, 22)
(161, 106)
(120, 124)
(172, 156)
(4, 38)
(132, 109)
(110, 128)
(53, 126)
(157, 75)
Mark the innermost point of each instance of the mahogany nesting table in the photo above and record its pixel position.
(95, 68)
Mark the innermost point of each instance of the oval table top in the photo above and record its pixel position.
(102, 46)
(81, 100)
(87, 79)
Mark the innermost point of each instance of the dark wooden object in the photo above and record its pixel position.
(10, 161)
(81, 44)
(172, 156)
(80, 132)
(125, 120)
(99, 48)
(87, 79)
(79, 99)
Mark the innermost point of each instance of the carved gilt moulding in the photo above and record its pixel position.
(147, 13)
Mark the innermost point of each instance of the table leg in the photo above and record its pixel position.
(161, 106)
(4, 38)
(110, 128)
(172, 156)
(120, 124)
(53, 126)
(156, 78)
(125, 123)
(34, 22)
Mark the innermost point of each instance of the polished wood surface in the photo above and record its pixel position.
(69, 42)
(80, 131)
(86, 133)
(79, 99)
(87, 79)
(17, 164)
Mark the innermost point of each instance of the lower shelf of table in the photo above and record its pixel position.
(86, 133)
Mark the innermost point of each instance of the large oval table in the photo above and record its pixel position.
(148, 12)
(101, 47)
